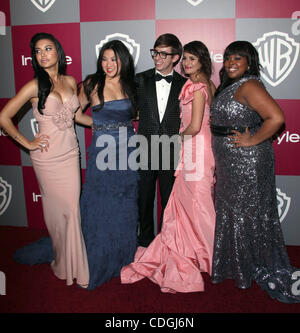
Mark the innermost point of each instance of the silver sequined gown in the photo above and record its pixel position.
(249, 244)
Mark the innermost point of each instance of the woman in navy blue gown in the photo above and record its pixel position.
(108, 203)
(109, 199)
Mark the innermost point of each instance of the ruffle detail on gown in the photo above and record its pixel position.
(178, 255)
(39, 252)
(172, 272)
(187, 92)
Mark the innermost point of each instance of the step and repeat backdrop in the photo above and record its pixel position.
(83, 26)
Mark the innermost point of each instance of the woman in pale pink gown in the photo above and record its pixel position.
(184, 247)
(54, 154)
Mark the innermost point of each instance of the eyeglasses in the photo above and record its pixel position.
(162, 54)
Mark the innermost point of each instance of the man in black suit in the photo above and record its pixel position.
(157, 97)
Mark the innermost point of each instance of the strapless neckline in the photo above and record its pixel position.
(113, 100)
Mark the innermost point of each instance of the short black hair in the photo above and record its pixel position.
(244, 49)
(170, 40)
(247, 50)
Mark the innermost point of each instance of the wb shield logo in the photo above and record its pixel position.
(133, 47)
(5, 195)
(283, 204)
(278, 54)
(194, 2)
(43, 5)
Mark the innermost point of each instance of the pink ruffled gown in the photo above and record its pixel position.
(184, 247)
(58, 174)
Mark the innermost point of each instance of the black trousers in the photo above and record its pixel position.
(147, 188)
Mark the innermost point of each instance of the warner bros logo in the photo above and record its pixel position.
(43, 5)
(278, 54)
(283, 204)
(5, 195)
(194, 2)
(133, 47)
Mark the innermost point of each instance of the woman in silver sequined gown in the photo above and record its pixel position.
(249, 243)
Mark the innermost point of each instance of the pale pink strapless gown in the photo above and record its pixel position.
(184, 247)
(58, 175)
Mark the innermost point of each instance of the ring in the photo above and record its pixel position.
(43, 145)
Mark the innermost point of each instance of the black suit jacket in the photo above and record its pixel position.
(149, 123)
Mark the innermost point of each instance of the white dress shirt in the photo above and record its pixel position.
(162, 93)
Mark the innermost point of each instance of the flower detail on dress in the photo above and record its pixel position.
(63, 118)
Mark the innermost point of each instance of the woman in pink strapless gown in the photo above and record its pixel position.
(184, 247)
(58, 174)
(54, 154)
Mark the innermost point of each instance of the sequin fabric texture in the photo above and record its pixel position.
(249, 244)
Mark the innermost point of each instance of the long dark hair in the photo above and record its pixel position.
(200, 50)
(126, 74)
(44, 81)
(244, 49)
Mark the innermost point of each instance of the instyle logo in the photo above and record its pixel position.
(216, 57)
(43, 5)
(5, 195)
(35, 197)
(194, 2)
(27, 60)
(133, 47)
(283, 204)
(288, 137)
(278, 55)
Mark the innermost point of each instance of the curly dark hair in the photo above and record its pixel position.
(243, 49)
(200, 50)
